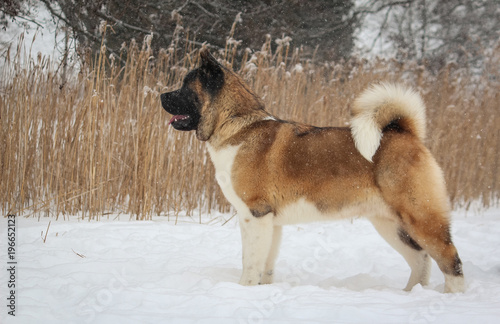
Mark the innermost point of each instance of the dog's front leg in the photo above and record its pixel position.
(256, 237)
(268, 276)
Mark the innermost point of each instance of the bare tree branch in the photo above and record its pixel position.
(79, 30)
(328, 24)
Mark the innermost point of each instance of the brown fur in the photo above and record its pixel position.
(279, 162)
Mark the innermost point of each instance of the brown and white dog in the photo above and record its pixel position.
(277, 172)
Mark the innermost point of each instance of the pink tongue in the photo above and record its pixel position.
(177, 117)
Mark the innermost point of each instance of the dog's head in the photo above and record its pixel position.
(192, 104)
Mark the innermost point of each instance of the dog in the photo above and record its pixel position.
(276, 172)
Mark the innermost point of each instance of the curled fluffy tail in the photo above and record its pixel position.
(380, 106)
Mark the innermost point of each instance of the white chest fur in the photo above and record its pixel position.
(223, 160)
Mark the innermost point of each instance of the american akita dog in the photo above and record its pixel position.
(276, 172)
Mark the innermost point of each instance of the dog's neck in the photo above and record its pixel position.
(230, 129)
(239, 108)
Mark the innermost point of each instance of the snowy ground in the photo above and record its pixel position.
(158, 272)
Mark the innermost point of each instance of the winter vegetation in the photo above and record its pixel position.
(96, 141)
(83, 132)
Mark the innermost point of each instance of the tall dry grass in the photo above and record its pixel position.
(99, 143)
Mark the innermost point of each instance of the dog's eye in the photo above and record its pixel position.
(192, 96)
(195, 98)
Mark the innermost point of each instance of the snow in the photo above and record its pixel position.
(120, 271)
(40, 36)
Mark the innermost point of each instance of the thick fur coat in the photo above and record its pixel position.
(277, 172)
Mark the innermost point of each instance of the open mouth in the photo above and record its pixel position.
(178, 118)
(182, 122)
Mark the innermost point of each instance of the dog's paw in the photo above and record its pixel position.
(267, 278)
(250, 279)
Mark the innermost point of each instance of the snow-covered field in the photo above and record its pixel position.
(124, 271)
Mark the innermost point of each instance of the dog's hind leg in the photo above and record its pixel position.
(257, 240)
(417, 258)
(268, 275)
(432, 233)
(413, 185)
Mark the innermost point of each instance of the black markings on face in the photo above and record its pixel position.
(210, 73)
(211, 78)
(408, 240)
(183, 103)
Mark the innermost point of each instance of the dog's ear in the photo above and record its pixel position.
(207, 123)
(207, 59)
(212, 73)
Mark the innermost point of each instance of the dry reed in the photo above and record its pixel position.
(99, 143)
